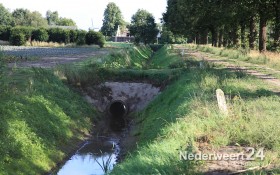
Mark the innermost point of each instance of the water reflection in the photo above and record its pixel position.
(93, 158)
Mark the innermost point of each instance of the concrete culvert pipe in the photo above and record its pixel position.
(118, 108)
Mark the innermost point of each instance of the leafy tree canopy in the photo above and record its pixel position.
(143, 27)
(5, 16)
(112, 19)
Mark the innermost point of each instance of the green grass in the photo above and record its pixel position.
(40, 118)
(131, 64)
(269, 59)
(186, 111)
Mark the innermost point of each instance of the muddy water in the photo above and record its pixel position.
(96, 157)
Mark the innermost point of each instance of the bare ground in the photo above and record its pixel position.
(52, 61)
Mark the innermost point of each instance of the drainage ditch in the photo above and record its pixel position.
(117, 101)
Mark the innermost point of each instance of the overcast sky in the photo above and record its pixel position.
(84, 12)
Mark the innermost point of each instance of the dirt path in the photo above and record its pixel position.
(234, 66)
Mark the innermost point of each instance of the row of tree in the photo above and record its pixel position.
(235, 23)
(142, 27)
(24, 17)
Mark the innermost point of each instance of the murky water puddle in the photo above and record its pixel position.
(95, 157)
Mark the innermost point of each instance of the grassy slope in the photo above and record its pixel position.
(186, 112)
(39, 117)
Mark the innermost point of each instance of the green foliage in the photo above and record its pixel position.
(40, 35)
(156, 47)
(40, 117)
(24, 17)
(65, 22)
(73, 36)
(27, 31)
(225, 22)
(112, 19)
(19, 35)
(5, 33)
(21, 17)
(143, 27)
(52, 17)
(167, 37)
(59, 35)
(81, 37)
(17, 39)
(37, 20)
(93, 37)
(6, 18)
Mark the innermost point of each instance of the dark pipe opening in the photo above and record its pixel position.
(118, 109)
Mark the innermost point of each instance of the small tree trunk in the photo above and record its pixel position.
(204, 37)
(243, 32)
(277, 25)
(253, 33)
(262, 36)
(214, 37)
(221, 37)
(235, 37)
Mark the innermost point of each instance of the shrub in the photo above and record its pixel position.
(97, 38)
(26, 31)
(100, 39)
(73, 36)
(5, 33)
(40, 35)
(19, 35)
(59, 35)
(81, 37)
(17, 39)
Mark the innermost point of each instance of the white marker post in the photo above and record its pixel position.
(222, 101)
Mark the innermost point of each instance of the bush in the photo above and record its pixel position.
(26, 31)
(19, 35)
(81, 37)
(5, 33)
(40, 35)
(73, 36)
(97, 38)
(17, 39)
(59, 35)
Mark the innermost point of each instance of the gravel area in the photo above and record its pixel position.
(45, 51)
(49, 56)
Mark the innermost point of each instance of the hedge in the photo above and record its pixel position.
(40, 35)
(5, 33)
(97, 38)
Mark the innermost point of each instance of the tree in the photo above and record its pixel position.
(21, 17)
(65, 22)
(5, 16)
(52, 17)
(143, 27)
(112, 19)
(226, 22)
(37, 20)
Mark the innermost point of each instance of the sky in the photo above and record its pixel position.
(88, 13)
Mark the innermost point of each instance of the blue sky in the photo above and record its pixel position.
(86, 12)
